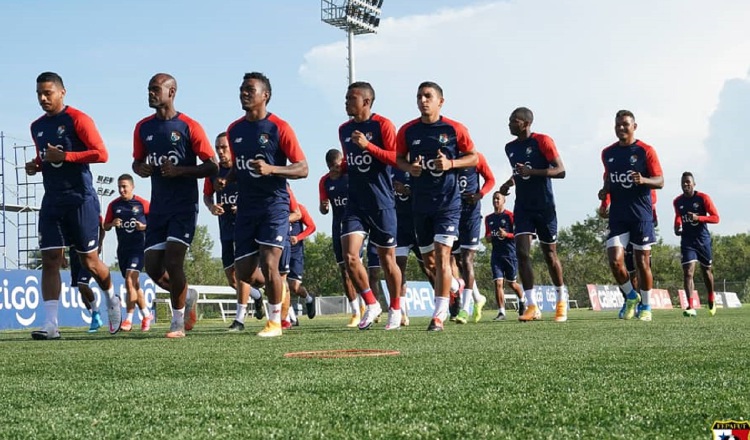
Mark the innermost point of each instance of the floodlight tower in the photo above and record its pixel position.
(356, 17)
(104, 189)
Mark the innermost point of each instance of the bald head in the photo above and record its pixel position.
(162, 89)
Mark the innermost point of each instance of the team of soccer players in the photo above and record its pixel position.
(416, 189)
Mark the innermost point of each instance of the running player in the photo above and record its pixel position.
(128, 214)
(166, 146)
(298, 232)
(368, 142)
(535, 163)
(261, 144)
(432, 148)
(67, 141)
(498, 228)
(693, 211)
(333, 189)
(631, 171)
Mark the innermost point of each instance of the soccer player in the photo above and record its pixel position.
(469, 233)
(498, 228)
(224, 207)
(693, 211)
(298, 232)
(631, 171)
(127, 214)
(333, 189)
(535, 163)
(67, 141)
(262, 144)
(368, 142)
(432, 148)
(166, 146)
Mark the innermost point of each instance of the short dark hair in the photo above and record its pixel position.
(332, 155)
(223, 134)
(497, 192)
(125, 177)
(524, 113)
(363, 85)
(624, 114)
(262, 78)
(687, 174)
(50, 77)
(432, 85)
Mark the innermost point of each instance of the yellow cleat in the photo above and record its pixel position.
(354, 321)
(271, 330)
(712, 310)
(561, 312)
(532, 314)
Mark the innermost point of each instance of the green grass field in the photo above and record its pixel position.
(592, 377)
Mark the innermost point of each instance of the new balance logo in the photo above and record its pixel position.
(279, 238)
(238, 140)
(331, 188)
(348, 139)
(149, 138)
(451, 228)
(611, 159)
(390, 240)
(416, 141)
(40, 134)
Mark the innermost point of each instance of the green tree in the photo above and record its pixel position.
(200, 267)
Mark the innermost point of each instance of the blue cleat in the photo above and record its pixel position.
(96, 322)
(621, 315)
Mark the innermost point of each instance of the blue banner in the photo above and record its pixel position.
(21, 304)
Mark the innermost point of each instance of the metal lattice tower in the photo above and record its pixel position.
(27, 208)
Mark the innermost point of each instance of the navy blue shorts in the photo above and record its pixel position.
(130, 259)
(629, 258)
(697, 250)
(542, 223)
(268, 229)
(70, 225)
(78, 273)
(286, 258)
(435, 226)
(640, 234)
(179, 227)
(470, 227)
(504, 267)
(297, 263)
(227, 253)
(373, 259)
(405, 236)
(380, 225)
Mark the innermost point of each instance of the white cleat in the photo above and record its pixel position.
(114, 313)
(394, 320)
(371, 312)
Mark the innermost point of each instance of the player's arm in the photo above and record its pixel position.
(506, 186)
(208, 193)
(109, 218)
(653, 167)
(385, 153)
(325, 205)
(140, 153)
(146, 209)
(677, 218)
(712, 215)
(404, 161)
(556, 168)
(86, 131)
(35, 165)
(297, 169)
(487, 231)
(308, 225)
(484, 170)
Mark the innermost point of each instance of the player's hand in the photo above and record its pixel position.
(692, 217)
(502, 233)
(416, 167)
(220, 183)
(168, 169)
(504, 189)
(117, 223)
(140, 226)
(143, 169)
(471, 198)
(401, 189)
(233, 209)
(293, 240)
(603, 211)
(217, 209)
(677, 231)
(523, 170)
(442, 163)
(261, 167)
(359, 139)
(54, 154)
(602, 194)
(637, 177)
(31, 168)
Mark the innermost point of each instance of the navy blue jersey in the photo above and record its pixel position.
(403, 201)
(227, 198)
(501, 247)
(74, 132)
(434, 190)
(702, 205)
(272, 140)
(129, 211)
(336, 191)
(537, 152)
(180, 140)
(628, 201)
(370, 185)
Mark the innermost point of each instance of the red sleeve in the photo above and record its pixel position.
(38, 158)
(307, 221)
(89, 135)
(511, 235)
(199, 141)
(139, 150)
(322, 192)
(487, 228)
(547, 147)
(293, 205)
(605, 203)
(208, 187)
(463, 140)
(483, 168)
(712, 214)
(385, 153)
(288, 142)
(652, 161)
(109, 216)
(401, 149)
(677, 217)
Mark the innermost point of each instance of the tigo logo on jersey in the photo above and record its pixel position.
(730, 430)
(175, 137)
(60, 131)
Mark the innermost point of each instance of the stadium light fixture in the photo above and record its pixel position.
(356, 17)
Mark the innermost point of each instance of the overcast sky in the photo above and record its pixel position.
(680, 65)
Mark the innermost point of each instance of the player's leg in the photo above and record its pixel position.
(705, 258)
(500, 298)
(643, 236)
(402, 259)
(287, 316)
(688, 274)
(523, 255)
(617, 240)
(443, 227)
(546, 227)
(269, 265)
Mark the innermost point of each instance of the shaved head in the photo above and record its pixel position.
(165, 79)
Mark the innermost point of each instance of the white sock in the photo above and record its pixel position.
(178, 316)
(274, 313)
(454, 285)
(441, 308)
(477, 294)
(404, 306)
(466, 297)
(529, 296)
(291, 315)
(145, 312)
(94, 307)
(646, 297)
(502, 310)
(241, 313)
(255, 293)
(129, 316)
(355, 307)
(361, 300)
(50, 313)
(561, 293)
(308, 299)
(111, 292)
(626, 287)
